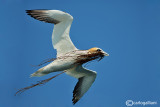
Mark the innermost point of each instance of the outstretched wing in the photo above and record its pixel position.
(84, 83)
(60, 36)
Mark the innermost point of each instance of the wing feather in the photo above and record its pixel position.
(83, 84)
(60, 37)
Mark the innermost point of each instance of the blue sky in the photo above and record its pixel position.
(129, 30)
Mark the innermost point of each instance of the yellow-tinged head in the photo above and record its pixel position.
(97, 50)
(93, 49)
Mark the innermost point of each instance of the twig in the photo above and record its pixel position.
(38, 84)
(44, 61)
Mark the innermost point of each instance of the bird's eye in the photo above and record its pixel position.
(98, 50)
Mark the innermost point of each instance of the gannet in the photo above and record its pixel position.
(69, 58)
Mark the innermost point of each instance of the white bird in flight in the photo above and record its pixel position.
(69, 58)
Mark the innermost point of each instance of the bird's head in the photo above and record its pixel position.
(97, 51)
(92, 54)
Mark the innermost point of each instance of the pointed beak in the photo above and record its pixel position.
(105, 54)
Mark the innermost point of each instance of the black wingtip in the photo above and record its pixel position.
(75, 101)
(32, 11)
(28, 11)
(42, 15)
(76, 91)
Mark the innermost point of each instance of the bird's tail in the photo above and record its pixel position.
(38, 73)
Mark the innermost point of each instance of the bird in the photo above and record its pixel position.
(69, 58)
